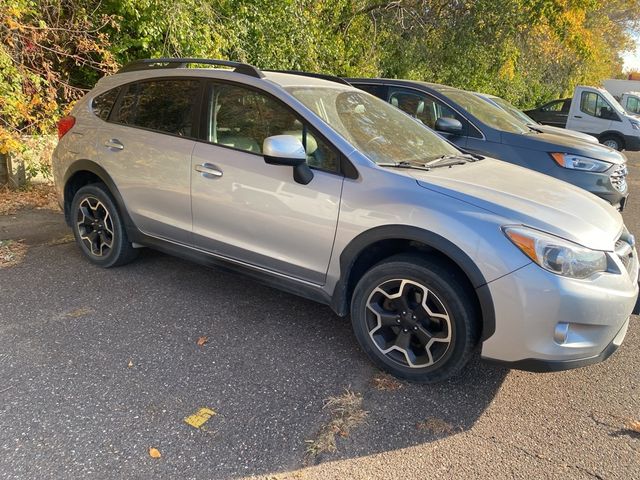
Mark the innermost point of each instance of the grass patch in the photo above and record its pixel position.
(346, 413)
(386, 383)
(11, 253)
(42, 196)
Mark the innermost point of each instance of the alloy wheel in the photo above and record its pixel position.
(95, 226)
(408, 323)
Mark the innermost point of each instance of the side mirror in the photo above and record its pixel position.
(288, 150)
(449, 125)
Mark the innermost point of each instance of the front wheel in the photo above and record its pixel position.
(98, 227)
(415, 318)
(612, 141)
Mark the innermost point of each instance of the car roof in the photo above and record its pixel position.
(434, 86)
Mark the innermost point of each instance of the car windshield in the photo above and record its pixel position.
(490, 115)
(382, 132)
(507, 107)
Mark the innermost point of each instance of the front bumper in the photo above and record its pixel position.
(532, 305)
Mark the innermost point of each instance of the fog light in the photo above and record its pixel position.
(561, 332)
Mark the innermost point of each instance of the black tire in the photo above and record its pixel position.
(448, 295)
(93, 231)
(612, 141)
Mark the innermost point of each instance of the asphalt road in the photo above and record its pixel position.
(97, 366)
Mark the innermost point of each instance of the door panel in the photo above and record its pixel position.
(253, 212)
(153, 174)
(146, 147)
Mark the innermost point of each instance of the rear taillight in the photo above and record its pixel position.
(64, 125)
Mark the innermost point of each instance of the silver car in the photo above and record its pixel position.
(328, 192)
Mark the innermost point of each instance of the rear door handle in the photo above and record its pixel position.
(114, 144)
(209, 170)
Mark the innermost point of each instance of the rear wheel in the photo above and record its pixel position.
(415, 318)
(98, 227)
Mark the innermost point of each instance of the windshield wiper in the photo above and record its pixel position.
(456, 159)
(404, 164)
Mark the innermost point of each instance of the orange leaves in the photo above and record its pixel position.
(202, 341)
(154, 453)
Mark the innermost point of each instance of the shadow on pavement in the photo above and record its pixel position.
(270, 362)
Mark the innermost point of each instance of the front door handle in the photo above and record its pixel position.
(209, 170)
(577, 116)
(114, 144)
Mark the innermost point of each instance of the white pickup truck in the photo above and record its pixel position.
(595, 111)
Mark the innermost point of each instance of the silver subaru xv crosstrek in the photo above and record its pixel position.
(325, 191)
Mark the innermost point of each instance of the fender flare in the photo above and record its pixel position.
(340, 298)
(92, 167)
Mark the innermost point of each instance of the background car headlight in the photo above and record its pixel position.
(555, 254)
(577, 162)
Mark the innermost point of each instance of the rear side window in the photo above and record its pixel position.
(557, 106)
(103, 103)
(166, 106)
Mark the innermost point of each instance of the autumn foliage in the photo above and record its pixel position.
(51, 51)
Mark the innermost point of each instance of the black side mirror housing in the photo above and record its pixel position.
(449, 125)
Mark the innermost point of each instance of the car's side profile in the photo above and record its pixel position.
(477, 126)
(325, 191)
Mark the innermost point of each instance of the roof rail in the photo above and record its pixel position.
(155, 63)
(323, 76)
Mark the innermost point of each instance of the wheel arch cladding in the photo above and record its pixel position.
(85, 172)
(373, 246)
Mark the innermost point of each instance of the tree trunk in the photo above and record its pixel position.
(5, 171)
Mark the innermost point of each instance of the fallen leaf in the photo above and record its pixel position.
(634, 426)
(198, 419)
(202, 340)
(130, 364)
(154, 452)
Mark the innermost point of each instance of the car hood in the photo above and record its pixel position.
(522, 196)
(549, 142)
(563, 131)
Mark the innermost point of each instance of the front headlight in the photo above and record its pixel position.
(577, 162)
(555, 254)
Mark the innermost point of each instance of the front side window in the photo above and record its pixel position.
(102, 104)
(166, 106)
(633, 104)
(595, 105)
(422, 107)
(242, 118)
(377, 129)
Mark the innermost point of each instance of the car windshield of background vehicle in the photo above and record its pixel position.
(502, 103)
(489, 114)
(377, 129)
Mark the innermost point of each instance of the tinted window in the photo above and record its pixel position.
(242, 118)
(162, 105)
(377, 90)
(103, 103)
(556, 106)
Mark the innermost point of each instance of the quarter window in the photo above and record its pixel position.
(103, 103)
(242, 118)
(163, 105)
